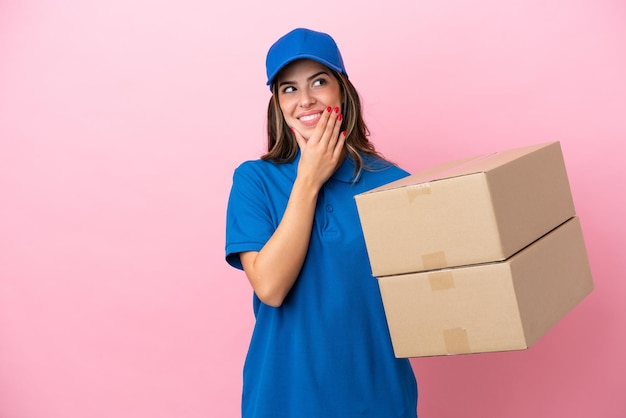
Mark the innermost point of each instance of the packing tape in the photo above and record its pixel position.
(441, 280)
(432, 261)
(415, 190)
(456, 341)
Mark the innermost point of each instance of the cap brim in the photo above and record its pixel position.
(300, 57)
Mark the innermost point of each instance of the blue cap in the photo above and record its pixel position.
(303, 43)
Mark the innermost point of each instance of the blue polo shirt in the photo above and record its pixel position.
(326, 351)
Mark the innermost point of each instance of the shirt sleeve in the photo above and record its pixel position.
(249, 223)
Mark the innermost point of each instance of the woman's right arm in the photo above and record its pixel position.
(273, 270)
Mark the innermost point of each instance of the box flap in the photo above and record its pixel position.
(462, 167)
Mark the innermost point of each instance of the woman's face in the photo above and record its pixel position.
(305, 89)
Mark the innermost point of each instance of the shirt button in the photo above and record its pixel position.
(329, 208)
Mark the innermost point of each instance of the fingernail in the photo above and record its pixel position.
(336, 110)
(343, 133)
(293, 131)
(328, 109)
(339, 117)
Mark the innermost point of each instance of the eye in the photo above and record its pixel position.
(319, 82)
(289, 89)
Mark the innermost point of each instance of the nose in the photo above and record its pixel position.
(306, 98)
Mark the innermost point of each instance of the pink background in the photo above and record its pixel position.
(121, 123)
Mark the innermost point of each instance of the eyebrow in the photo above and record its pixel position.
(308, 78)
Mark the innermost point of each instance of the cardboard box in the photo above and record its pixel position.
(469, 211)
(499, 306)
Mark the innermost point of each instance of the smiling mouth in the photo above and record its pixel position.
(309, 118)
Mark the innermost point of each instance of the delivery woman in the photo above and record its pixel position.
(320, 346)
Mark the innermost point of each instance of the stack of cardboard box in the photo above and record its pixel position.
(476, 255)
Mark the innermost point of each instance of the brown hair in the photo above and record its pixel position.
(282, 146)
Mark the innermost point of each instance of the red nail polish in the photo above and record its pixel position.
(336, 110)
(293, 131)
(328, 109)
(340, 117)
(343, 133)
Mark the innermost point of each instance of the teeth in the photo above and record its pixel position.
(309, 117)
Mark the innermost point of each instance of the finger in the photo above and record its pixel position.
(336, 127)
(334, 121)
(333, 135)
(341, 140)
(331, 129)
(320, 128)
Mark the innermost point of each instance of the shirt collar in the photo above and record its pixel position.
(345, 172)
